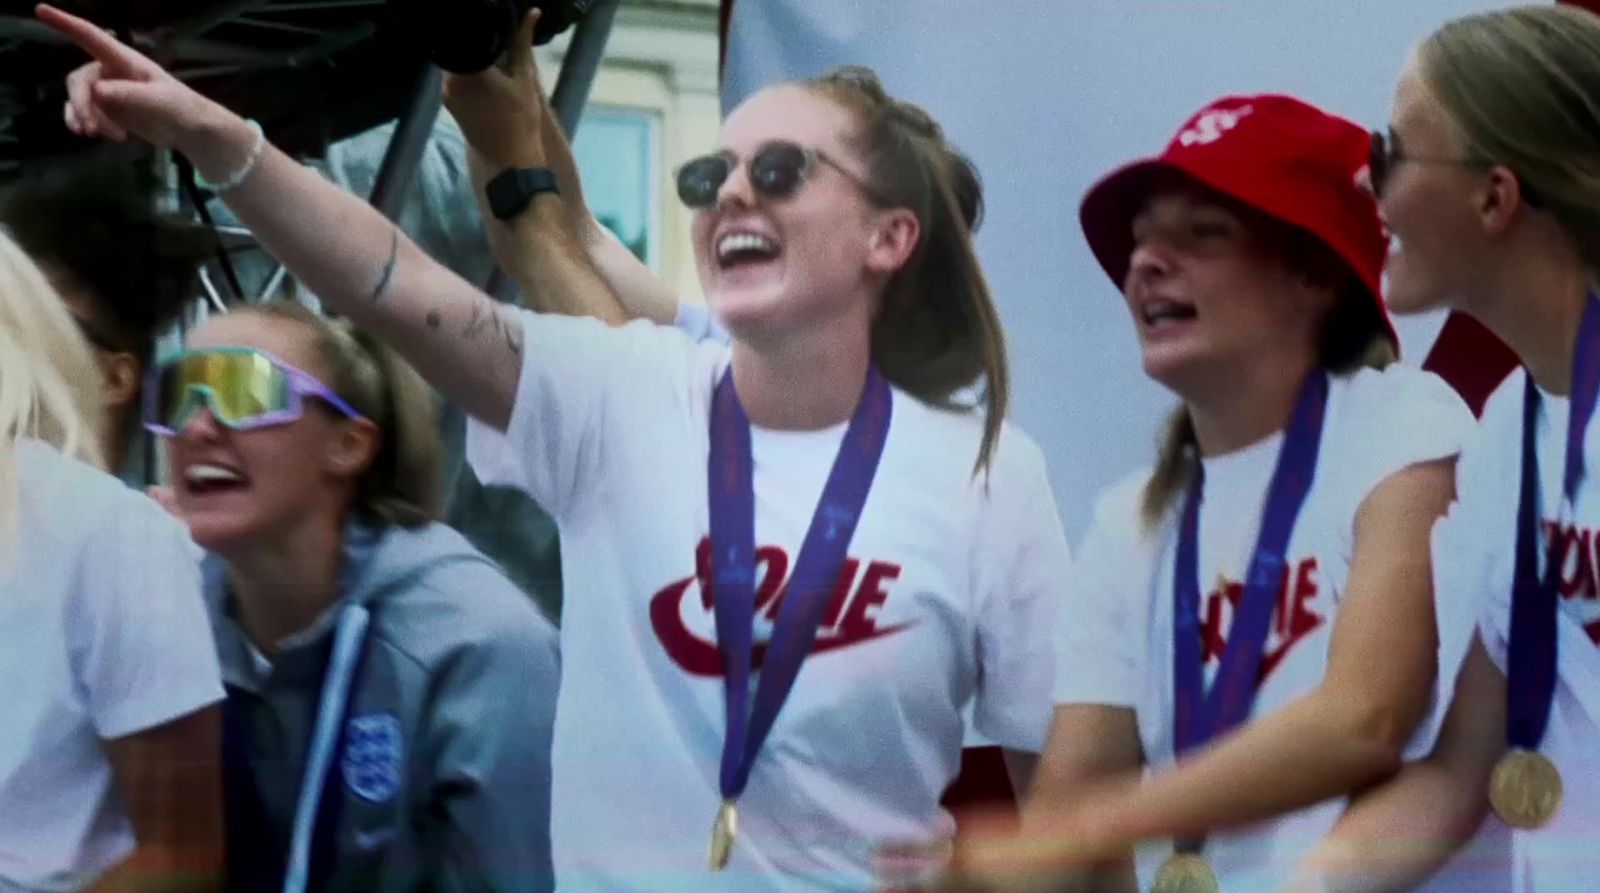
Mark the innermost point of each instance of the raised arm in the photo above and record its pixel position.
(354, 260)
(509, 123)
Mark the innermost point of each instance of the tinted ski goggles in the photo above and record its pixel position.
(242, 388)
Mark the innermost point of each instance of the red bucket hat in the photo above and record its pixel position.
(1283, 157)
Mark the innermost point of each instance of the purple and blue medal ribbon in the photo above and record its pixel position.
(1531, 652)
(1201, 715)
(822, 554)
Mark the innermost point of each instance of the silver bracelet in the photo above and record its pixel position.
(244, 171)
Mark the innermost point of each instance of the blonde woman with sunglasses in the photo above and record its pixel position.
(1489, 180)
(109, 675)
(811, 505)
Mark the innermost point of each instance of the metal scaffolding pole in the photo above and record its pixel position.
(582, 63)
(578, 70)
(401, 160)
(404, 155)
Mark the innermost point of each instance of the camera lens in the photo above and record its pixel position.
(463, 36)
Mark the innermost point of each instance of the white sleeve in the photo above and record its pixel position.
(1494, 627)
(1021, 566)
(141, 645)
(696, 321)
(1468, 551)
(1101, 627)
(1470, 592)
(1473, 556)
(1474, 544)
(573, 370)
(1397, 418)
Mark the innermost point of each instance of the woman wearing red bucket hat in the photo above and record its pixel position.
(1490, 181)
(1249, 623)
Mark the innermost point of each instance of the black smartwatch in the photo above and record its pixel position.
(511, 190)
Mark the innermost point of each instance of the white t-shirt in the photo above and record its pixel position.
(1474, 563)
(952, 585)
(106, 636)
(1115, 644)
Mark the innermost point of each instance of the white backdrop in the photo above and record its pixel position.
(1047, 95)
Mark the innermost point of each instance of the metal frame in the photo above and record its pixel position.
(187, 47)
(582, 63)
(191, 49)
(403, 157)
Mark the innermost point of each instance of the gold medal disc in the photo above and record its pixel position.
(1186, 873)
(1525, 789)
(723, 833)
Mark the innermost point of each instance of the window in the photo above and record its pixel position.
(618, 151)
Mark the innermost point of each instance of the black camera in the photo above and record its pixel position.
(468, 36)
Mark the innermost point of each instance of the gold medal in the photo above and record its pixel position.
(1525, 789)
(1186, 873)
(723, 832)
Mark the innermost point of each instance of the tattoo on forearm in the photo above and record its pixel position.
(513, 334)
(486, 319)
(475, 323)
(388, 267)
(433, 319)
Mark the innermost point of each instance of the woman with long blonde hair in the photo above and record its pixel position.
(109, 672)
(1489, 180)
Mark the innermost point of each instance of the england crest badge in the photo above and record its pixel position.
(373, 756)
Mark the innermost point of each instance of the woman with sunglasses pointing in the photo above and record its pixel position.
(834, 226)
(836, 253)
(792, 563)
(1489, 180)
(389, 692)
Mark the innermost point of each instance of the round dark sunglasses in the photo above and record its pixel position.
(1385, 155)
(776, 171)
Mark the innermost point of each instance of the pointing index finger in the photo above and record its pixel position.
(105, 48)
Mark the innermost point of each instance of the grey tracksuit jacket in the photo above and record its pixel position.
(440, 778)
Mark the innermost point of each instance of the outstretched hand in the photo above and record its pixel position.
(121, 92)
(501, 110)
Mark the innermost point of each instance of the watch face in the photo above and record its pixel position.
(510, 192)
(535, 180)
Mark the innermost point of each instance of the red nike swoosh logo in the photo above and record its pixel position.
(697, 657)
